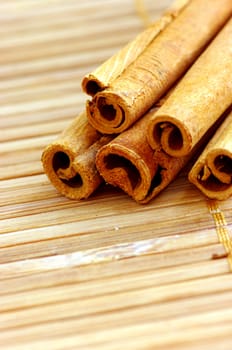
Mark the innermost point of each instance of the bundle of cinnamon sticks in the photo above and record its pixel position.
(153, 106)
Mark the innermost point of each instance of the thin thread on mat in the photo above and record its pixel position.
(221, 228)
(143, 12)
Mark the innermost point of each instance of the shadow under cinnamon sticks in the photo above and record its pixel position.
(69, 161)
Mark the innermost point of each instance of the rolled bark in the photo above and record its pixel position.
(127, 161)
(199, 99)
(106, 73)
(158, 67)
(212, 172)
(69, 161)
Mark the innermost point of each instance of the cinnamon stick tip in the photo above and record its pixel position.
(69, 181)
(106, 114)
(202, 177)
(91, 85)
(170, 134)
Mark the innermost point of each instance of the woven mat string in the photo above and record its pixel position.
(221, 229)
(142, 12)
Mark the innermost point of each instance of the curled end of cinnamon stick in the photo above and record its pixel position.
(106, 113)
(123, 168)
(213, 174)
(91, 85)
(75, 177)
(170, 134)
(167, 170)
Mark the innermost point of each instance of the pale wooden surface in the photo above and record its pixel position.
(105, 273)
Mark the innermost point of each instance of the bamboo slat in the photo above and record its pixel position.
(103, 273)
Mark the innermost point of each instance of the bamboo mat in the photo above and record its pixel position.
(104, 273)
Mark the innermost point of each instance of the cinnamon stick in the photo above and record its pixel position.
(200, 98)
(158, 67)
(69, 161)
(129, 163)
(212, 172)
(105, 74)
